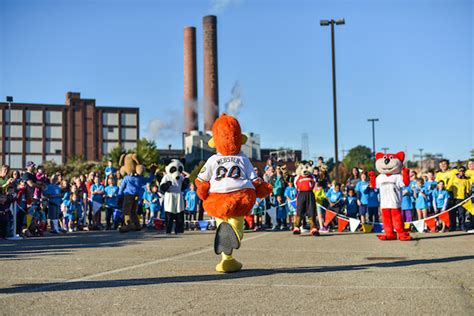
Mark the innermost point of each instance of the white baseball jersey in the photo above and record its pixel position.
(228, 173)
(390, 188)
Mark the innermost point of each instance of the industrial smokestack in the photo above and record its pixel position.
(211, 86)
(190, 81)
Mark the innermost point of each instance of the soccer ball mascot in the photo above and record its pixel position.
(392, 178)
(228, 186)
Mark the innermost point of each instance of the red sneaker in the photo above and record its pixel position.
(296, 231)
(314, 231)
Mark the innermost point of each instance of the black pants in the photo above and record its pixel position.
(306, 203)
(20, 217)
(459, 213)
(109, 212)
(4, 220)
(373, 214)
(170, 218)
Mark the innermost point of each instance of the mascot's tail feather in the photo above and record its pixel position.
(262, 189)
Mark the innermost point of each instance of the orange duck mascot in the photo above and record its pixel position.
(228, 187)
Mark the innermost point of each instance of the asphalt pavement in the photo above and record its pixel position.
(105, 272)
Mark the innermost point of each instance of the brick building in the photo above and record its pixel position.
(41, 132)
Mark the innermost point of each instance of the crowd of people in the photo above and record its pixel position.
(66, 204)
(427, 194)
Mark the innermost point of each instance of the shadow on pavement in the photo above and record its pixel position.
(28, 249)
(248, 273)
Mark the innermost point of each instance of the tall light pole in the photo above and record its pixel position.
(9, 100)
(332, 23)
(373, 120)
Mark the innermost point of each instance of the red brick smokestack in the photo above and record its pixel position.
(211, 87)
(190, 80)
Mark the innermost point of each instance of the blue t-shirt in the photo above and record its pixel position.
(66, 197)
(97, 197)
(53, 190)
(334, 196)
(440, 197)
(110, 170)
(191, 201)
(360, 189)
(430, 186)
(290, 193)
(351, 205)
(147, 196)
(113, 191)
(407, 198)
(154, 202)
(421, 202)
(372, 197)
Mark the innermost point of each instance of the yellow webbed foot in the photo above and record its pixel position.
(228, 265)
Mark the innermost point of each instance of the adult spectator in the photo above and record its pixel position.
(444, 173)
(279, 184)
(461, 188)
(470, 173)
(5, 180)
(351, 183)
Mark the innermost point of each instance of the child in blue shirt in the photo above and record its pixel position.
(146, 202)
(97, 197)
(111, 201)
(335, 198)
(73, 212)
(421, 199)
(351, 203)
(407, 203)
(372, 204)
(54, 194)
(430, 185)
(362, 196)
(280, 213)
(257, 211)
(191, 200)
(155, 205)
(290, 196)
(440, 201)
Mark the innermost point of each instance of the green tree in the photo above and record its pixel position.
(193, 175)
(360, 157)
(472, 153)
(114, 155)
(147, 152)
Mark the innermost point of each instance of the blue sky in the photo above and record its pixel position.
(408, 63)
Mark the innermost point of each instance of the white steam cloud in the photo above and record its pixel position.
(234, 105)
(219, 6)
(168, 127)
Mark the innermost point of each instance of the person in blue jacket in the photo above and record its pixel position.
(131, 190)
